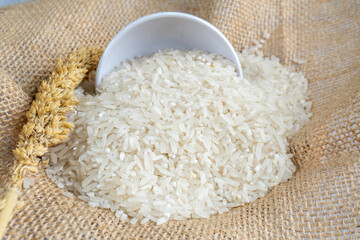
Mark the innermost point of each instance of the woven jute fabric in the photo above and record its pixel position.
(320, 201)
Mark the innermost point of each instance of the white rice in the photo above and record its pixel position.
(67, 194)
(179, 135)
(28, 182)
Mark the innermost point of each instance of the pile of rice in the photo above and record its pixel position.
(179, 135)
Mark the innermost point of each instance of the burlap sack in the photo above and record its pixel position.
(321, 200)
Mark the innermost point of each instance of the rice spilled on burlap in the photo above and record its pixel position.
(321, 200)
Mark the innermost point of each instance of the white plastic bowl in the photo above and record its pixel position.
(164, 30)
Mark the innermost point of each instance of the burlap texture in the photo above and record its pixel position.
(321, 200)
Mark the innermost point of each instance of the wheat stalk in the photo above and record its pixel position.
(46, 122)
